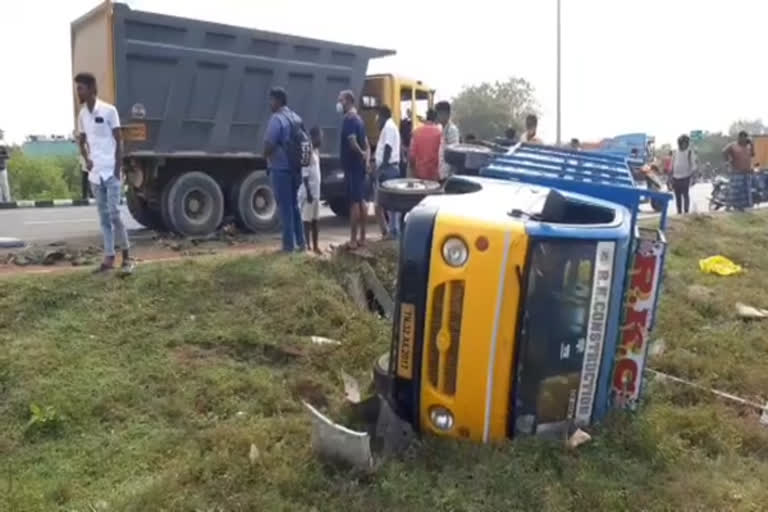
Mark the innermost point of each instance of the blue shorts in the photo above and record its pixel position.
(356, 189)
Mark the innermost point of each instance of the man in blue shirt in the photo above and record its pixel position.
(354, 155)
(285, 179)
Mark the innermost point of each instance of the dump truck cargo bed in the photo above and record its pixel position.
(195, 88)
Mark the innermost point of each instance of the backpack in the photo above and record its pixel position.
(297, 146)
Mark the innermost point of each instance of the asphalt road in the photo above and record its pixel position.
(43, 225)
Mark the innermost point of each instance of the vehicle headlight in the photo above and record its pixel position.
(455, 252)
(441, 418)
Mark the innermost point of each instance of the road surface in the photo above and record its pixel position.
(44, 225)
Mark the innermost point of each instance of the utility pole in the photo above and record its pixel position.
(559, 77)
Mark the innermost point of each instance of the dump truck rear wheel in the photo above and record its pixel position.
(401, 195)
(141, 211)
(165, 215)
(194, 204)
(255, 203)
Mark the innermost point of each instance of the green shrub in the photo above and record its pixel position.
(38, 178)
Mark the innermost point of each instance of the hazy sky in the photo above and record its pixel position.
(659, 66)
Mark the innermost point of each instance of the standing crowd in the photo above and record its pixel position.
(681, 166)
(399, 151)
(293, 158)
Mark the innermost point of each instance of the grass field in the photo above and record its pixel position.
(146, 394)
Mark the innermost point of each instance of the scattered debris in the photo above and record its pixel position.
(578, 438)
(338, 443)
(721, 394)
(351, 388)
(657, 348)
(320, 340)
(746, 312)
(254, 454)
(719, 265)
(47, 256)
(55, 256)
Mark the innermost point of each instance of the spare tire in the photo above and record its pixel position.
(401, 195)
(468, 158)
(195, 204)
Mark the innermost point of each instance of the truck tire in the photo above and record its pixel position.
(401, 195)
(254, 203)
(195, 204)
(141, 211)
(165, 215)
(339, 206)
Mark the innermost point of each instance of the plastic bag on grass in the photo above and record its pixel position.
(719, 265)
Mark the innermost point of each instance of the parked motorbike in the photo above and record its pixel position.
(721, 184)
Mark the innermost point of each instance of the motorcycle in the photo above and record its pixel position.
(720, 186)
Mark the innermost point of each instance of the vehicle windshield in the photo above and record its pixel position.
(562, 319)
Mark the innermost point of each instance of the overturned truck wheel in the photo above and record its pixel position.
(401, 195)
(194, 204)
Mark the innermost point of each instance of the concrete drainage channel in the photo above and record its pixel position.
(384, 433)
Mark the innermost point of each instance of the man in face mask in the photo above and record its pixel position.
(354, 155)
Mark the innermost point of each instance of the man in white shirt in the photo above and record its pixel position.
(387, 168)
(101, 147)
(451, 136)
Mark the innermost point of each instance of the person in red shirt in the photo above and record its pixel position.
(424, 153)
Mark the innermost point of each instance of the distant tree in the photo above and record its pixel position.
(36, 178)
(751, 126)
(488, 109)
(710, 149)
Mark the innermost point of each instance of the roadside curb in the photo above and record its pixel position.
(49, 203)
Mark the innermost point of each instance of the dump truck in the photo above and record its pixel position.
(193, 102)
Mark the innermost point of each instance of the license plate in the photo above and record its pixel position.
(405, 347)
(136, 132)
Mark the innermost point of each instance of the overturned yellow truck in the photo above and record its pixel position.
(525, 297)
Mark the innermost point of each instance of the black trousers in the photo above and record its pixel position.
(85, 186)
(681, 187)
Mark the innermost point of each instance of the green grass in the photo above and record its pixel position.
(140, 381)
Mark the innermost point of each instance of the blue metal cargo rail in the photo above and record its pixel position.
(591, 173)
